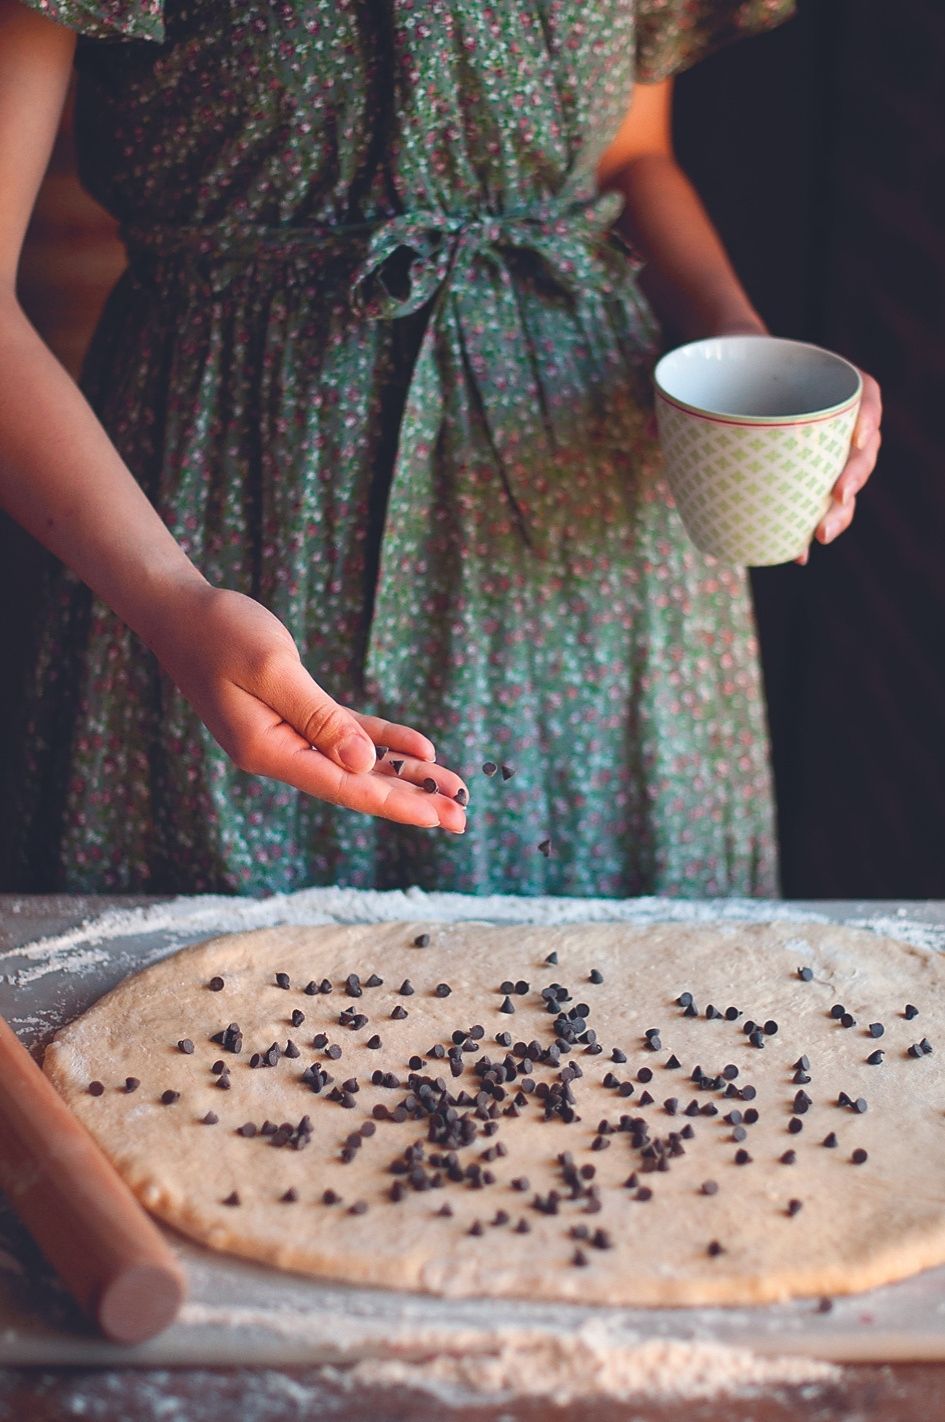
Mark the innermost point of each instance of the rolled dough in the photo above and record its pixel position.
(698, 1222)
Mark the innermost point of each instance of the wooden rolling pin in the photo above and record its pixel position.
(82, 1215)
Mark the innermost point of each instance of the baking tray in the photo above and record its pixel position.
(240, 1313)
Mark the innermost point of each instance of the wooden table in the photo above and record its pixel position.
(875, 1393)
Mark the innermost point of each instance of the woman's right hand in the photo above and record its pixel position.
(240, 669)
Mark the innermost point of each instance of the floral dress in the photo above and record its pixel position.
(380, 361)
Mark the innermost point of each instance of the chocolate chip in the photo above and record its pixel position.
(910, 1011)
(859, 1156)
(399, 1013)
(672, 1062)
(489, 768)
(282, 980)
(397, 766)
(248, 1130)
(794, 1206)
(95, 1088)
(742, 1157)
(215, 984)
(830, 1140)
(131, 1084)
(876, 1058)
(422, 940)
(714, 1249)
(169, 1097)
(507, 1005)
(595, 976)
(848, 1020)
(709, 1187)
(544, 847)
(443, 989)
(771, 1027)
(461, 797)
(732, 1014)
(579, 1258)
(788, 1158)
(330, 1198)
(359, 1207)
(824, 1305)
(210, 1119)
(430, 785)
(232, 1199)
(374, 1042)
(805, 974)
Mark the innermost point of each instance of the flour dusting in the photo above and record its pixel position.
(587, 1365)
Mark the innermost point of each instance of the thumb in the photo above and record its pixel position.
(322, 722)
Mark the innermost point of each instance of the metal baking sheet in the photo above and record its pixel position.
(241, 1313)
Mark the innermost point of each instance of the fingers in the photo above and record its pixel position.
(836, 521)
(319, 720)
(870, 413)
(284, 755)
(858, 469)
(421, 772)
(396, 737)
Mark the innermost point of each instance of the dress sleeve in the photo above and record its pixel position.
(106, 19)
(674, 34)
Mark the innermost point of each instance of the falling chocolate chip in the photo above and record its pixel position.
(544, 847)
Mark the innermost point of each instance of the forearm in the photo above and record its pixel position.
(64, 481)
(688, 279)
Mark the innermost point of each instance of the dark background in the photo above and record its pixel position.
(820, 151)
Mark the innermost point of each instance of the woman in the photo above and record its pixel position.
(372, 399)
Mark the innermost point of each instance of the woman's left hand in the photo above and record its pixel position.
(864, 449)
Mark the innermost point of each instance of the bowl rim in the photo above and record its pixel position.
(727, 417)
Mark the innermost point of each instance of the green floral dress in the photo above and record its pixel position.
(379, 361)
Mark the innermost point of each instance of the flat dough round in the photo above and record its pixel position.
(531, 1176)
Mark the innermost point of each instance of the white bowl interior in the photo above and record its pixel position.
(758, 376)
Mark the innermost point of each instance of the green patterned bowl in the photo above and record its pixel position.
(754, 431)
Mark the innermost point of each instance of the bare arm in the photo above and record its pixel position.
(64, 481)
(689, 279)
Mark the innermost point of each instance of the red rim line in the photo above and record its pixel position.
(749, 424)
